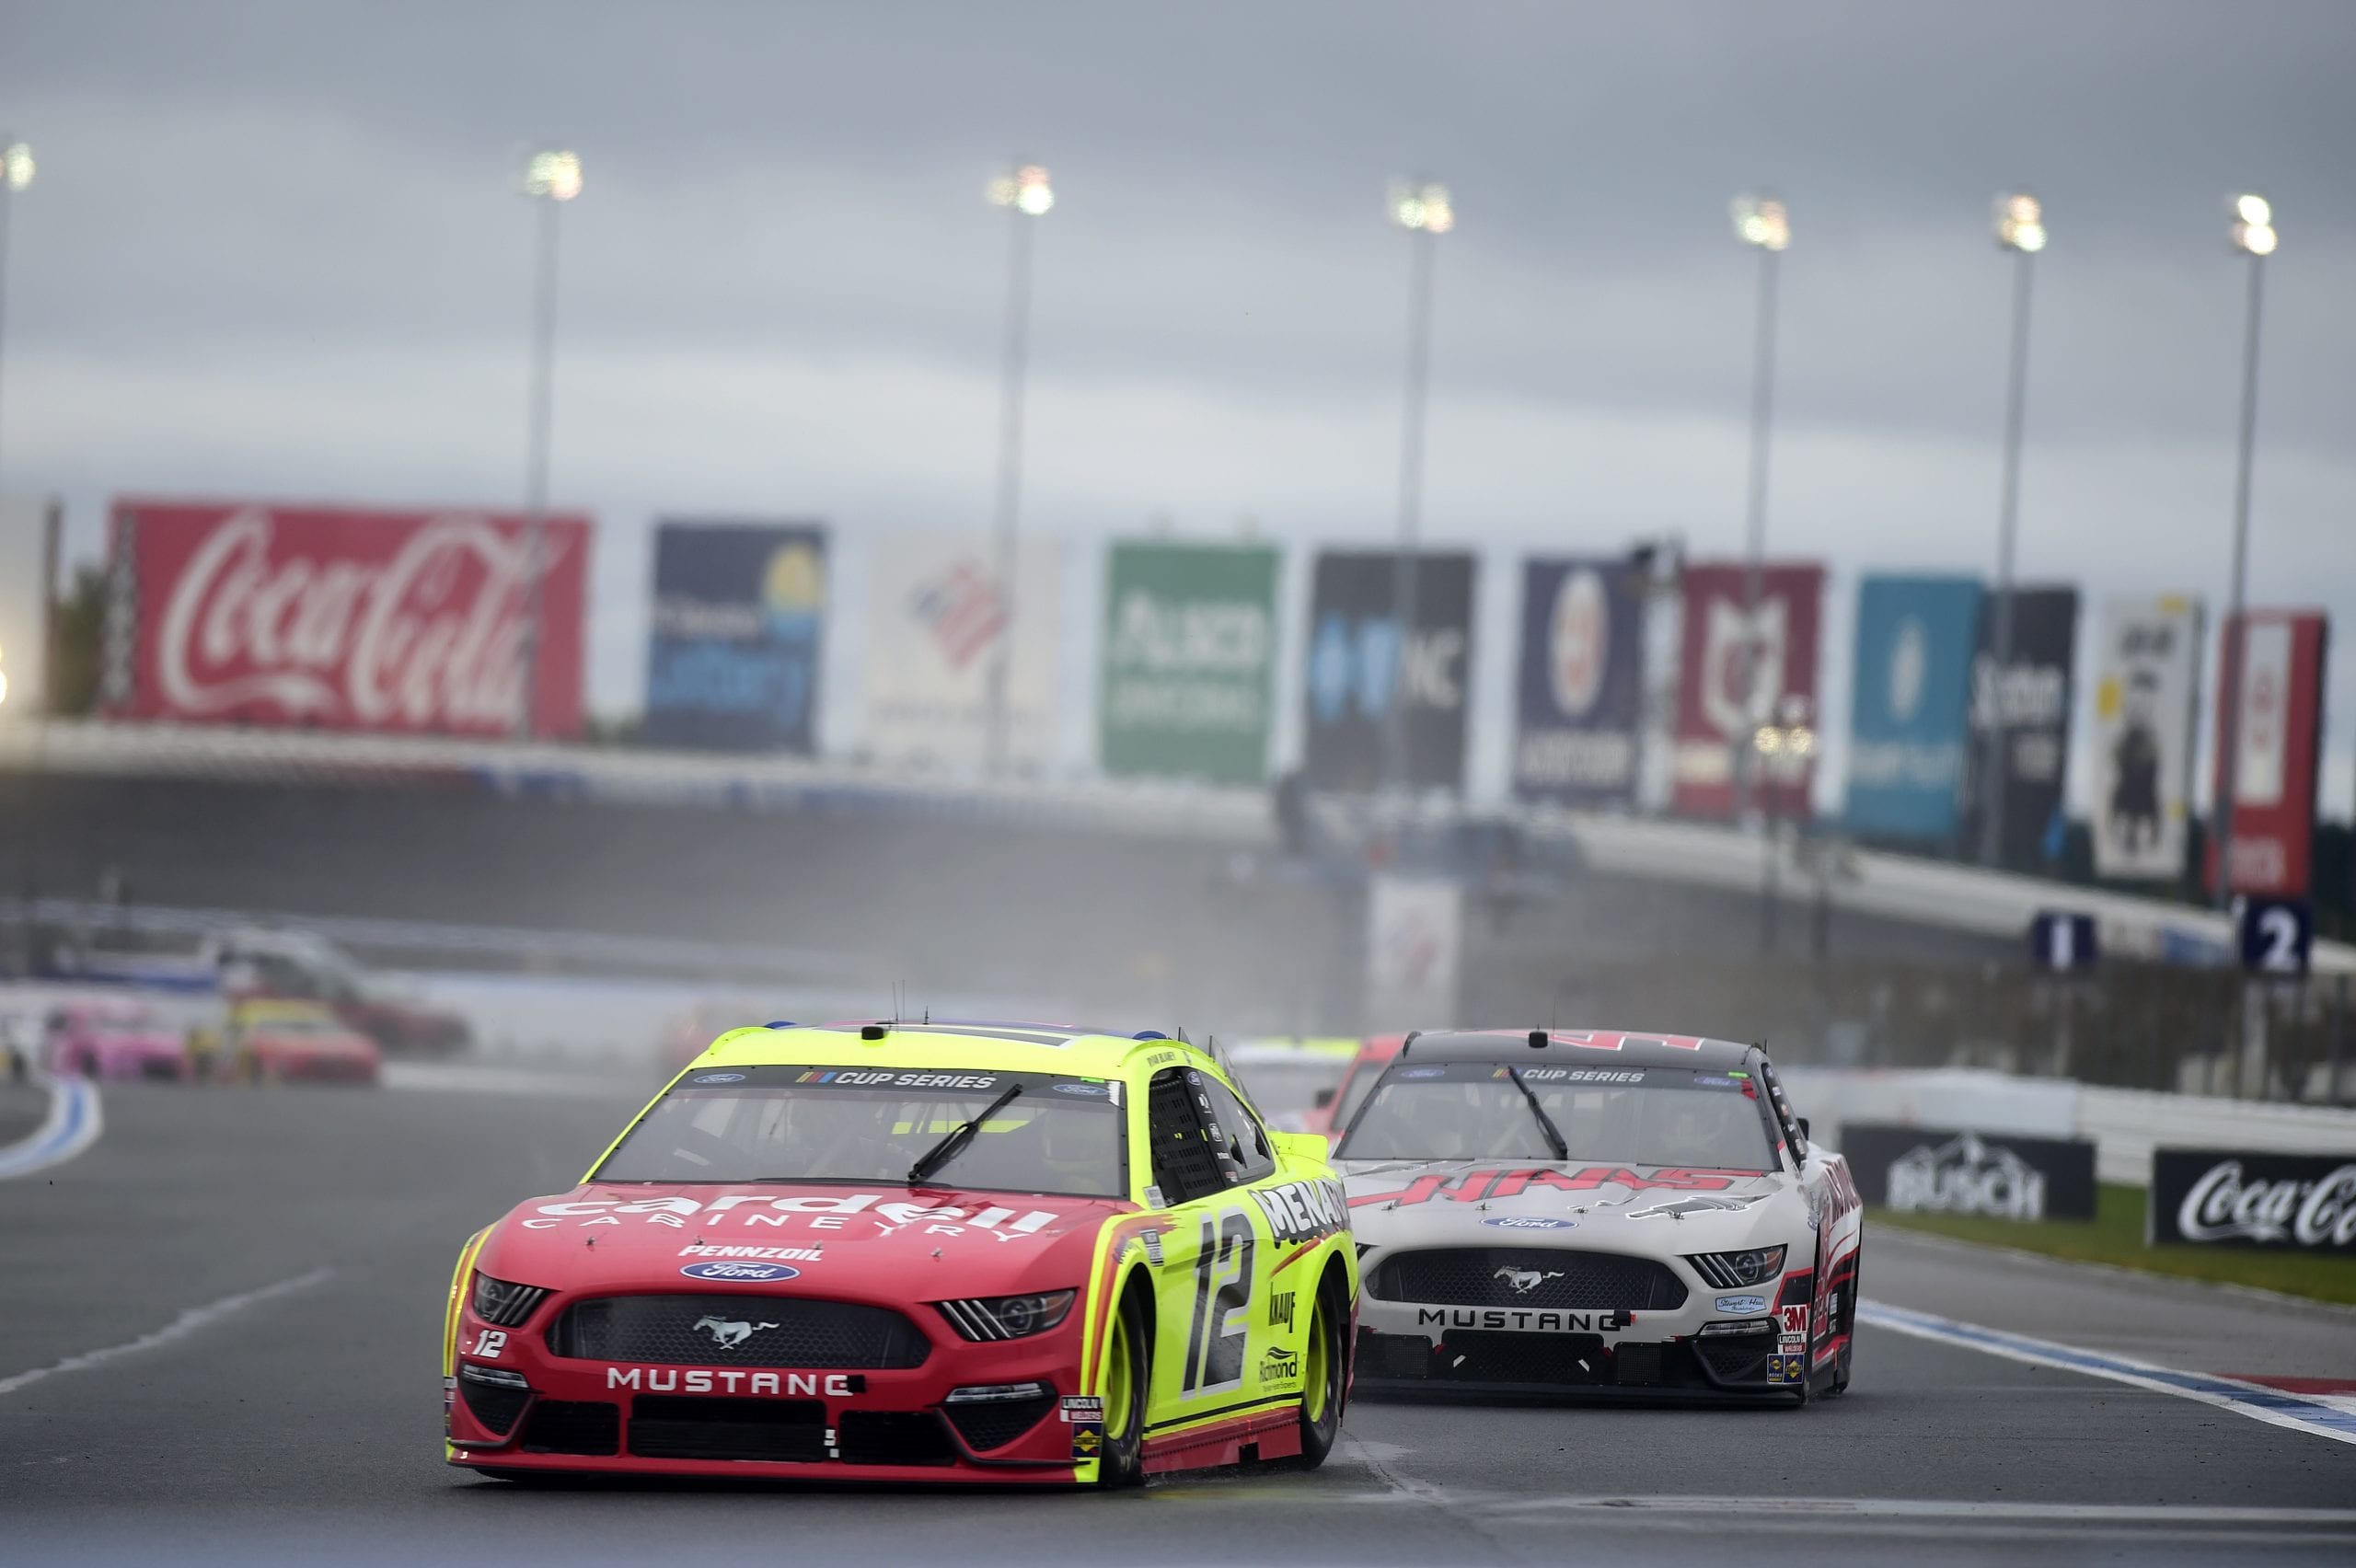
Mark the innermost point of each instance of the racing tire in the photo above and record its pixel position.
(1325, 1379)
(1127, 1378)
(1848, 1325)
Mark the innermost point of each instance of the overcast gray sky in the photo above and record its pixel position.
(274, 251)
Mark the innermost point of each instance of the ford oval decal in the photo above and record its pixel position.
(1531, 1222)
(742, 1273)
(718, 1078)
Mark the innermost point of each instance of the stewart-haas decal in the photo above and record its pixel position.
(1304, 1211)
(1480, 1186)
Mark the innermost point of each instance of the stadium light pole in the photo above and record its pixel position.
(1761, 223)
(1026, 193)
(2020, 228)
(551, 178)
(2251, 232)
(16, 173)
(1423, 209)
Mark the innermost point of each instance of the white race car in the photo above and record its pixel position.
(1592, 1211)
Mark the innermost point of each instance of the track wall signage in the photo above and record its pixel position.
(2248, 1198)
(2029, 704)
(732, 661)
(1190, 639)
(1578, 704)
(2276, 667)
(339, 617)
(938, 612)
(1720, 705)
(1997, 1175)
(1908, 715)
(2147, 675)
(1358, 668)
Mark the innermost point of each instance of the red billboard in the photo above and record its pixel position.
(2272, 661)
(338, 618)
(1718, 704)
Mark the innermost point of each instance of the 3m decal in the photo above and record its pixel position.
(1792, 1318)
(1222, 1300)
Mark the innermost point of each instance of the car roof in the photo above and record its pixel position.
(1602, 1046)
(1005, 1047)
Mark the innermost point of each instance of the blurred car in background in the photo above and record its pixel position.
(110, 1039)
(300, 965)
(1288, 1075)
(282, 1042)
(1333, 1107)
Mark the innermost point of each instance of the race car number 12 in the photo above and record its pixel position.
(1222, 1302)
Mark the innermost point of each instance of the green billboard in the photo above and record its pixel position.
(1190, 642)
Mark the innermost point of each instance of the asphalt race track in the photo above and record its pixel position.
(275, 1261)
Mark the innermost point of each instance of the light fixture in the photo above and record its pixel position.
(2020, 222)
(554, 173)
(1027, 190)
(1760, 220)
(2253, 226)
(1422, 205)
(17, 165)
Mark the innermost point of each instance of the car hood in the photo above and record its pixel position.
(1584, 1204)
(893, 1241)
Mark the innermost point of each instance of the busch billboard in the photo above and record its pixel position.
(2029, 704)
(1996, 1175)
(1907, 720)
(2147, 679)
(1356, 668)
(732, 658)
(1578, 704)
(1190, 644)
(2276, 667)
(339, 617)
(1720, 705)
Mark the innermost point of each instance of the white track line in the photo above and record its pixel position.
(2253, 1399)
(187, 1323)
(74, 1120)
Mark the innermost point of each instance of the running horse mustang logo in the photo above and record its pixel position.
(728, 1336)
(1524, 1281)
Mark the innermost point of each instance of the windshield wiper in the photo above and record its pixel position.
(960, 1135)
(1545, 1122)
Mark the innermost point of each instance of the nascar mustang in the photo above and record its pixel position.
(1598, 1211)
(915, 1253)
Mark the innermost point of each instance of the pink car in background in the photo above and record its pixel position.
(116, 1040)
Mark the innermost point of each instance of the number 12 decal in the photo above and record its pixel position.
(1222, 1302)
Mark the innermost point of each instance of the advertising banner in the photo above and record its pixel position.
(937, 615)
(340, 618)
(1923, 1170)
(731, 656)
(1356, 667)
(1415, 949)
(28, 577)
(2276, 667)
(1578, 705)
(1719, 704)
(2224, 1197)
(1190, 641)
(1909, 717)
(2147, 674)
(2030, 704)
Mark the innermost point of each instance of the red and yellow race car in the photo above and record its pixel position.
(281, 1042)
(903, 1251)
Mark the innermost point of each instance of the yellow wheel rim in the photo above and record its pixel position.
(1118, 1391)
(1312, 1399)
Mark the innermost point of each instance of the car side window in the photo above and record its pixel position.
(1238, 1140)
(1184, 1164)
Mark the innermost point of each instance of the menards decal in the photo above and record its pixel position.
(809, 1213)
(1303, 1211)
(1480, 1186)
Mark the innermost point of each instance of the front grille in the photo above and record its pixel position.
(703, 1330)
(496, 1405)
(993, 1423)
(1554, 1277)
(1736, 1358)
(569, 1427)
(671, 1427)
(1559, 1360)
(893, 1437)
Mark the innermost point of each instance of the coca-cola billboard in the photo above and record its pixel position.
(340, 619)
(2271, 676)
(2247, 1198)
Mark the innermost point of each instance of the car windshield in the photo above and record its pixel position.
(1624, 1115)
(1060, 1135)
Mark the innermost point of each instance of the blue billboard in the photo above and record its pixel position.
(1907, 715)
(732, 660)
(1576, 703)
